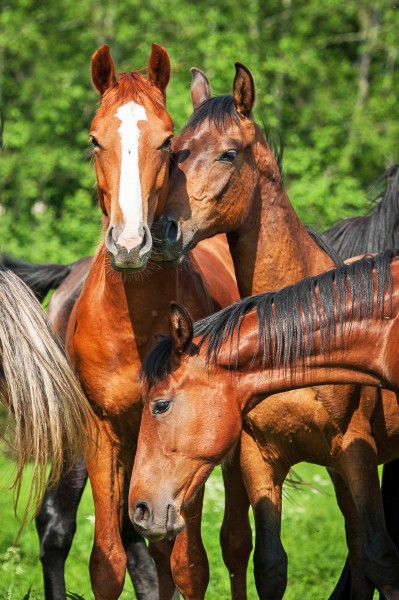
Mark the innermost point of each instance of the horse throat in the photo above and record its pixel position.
(272, 248)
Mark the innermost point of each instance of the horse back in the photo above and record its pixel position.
(64, 298)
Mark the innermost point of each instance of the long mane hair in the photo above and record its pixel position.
(376, 231)
(288, 318)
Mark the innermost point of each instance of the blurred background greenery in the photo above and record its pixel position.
(327, 81)
(326, 74)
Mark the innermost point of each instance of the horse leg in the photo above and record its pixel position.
(108, 557)
(236, 533)
(139, 564)
(390, 498)
(56, 526)
(359, 586)
(189, 562)
(264, 487)
(161, 553)
(358, 464)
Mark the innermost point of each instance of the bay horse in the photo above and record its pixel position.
(122, 307)
(38, 387)
(225, 179)
(199, 383)
(372, 233)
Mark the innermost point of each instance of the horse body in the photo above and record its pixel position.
(226, 179)
(356, 236)
(119, 336)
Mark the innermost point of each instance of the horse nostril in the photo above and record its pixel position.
(109, 240)
(172, 230)
(147, 241)
(141, 513)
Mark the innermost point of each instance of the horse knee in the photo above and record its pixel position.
(236, 546)
(55, 535)
(190, 571)
(382, 566)
(270, 571)
(107, 572)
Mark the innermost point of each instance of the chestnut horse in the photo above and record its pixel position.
(117, 315)
(38, 387)
(199, 384)
(226, 179)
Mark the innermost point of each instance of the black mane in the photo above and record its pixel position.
(287, 319)
(221, 112)
(374, 232)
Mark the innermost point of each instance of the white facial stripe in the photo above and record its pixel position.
(130, 199)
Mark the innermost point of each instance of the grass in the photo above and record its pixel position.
(312, 531)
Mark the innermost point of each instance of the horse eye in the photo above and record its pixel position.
(166, 144)
(94, 142)
(161, 407)
(228, 156)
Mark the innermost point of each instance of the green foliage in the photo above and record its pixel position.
(326, 76)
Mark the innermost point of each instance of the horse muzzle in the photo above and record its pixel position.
(155, 525)
(168, 241)
(128, 254)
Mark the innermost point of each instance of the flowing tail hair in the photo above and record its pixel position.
(39, 388)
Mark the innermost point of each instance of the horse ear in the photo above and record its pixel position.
(181, 327)
(102, 69)
(159, 68)
(200, 88)
(243, 90)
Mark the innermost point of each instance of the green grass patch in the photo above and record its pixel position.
(312, 531)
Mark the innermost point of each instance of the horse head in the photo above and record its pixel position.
(188, 425)
(214, 171)
(131, 134)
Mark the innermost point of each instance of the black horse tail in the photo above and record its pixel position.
(39, 277)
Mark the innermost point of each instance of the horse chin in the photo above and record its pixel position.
(124, 266)
(170, 264)
(168, 258)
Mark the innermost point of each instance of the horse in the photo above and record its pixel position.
(201, 381)
(372, 233)
(225, 178)
(39, 389)
(120, 310)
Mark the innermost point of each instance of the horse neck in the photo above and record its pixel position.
(364, 356)
(272, 248)
(139, 302)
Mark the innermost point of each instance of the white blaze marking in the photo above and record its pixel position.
(130, 199)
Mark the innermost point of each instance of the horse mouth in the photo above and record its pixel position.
(170, 263)
(125, 267)
(169, 257)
